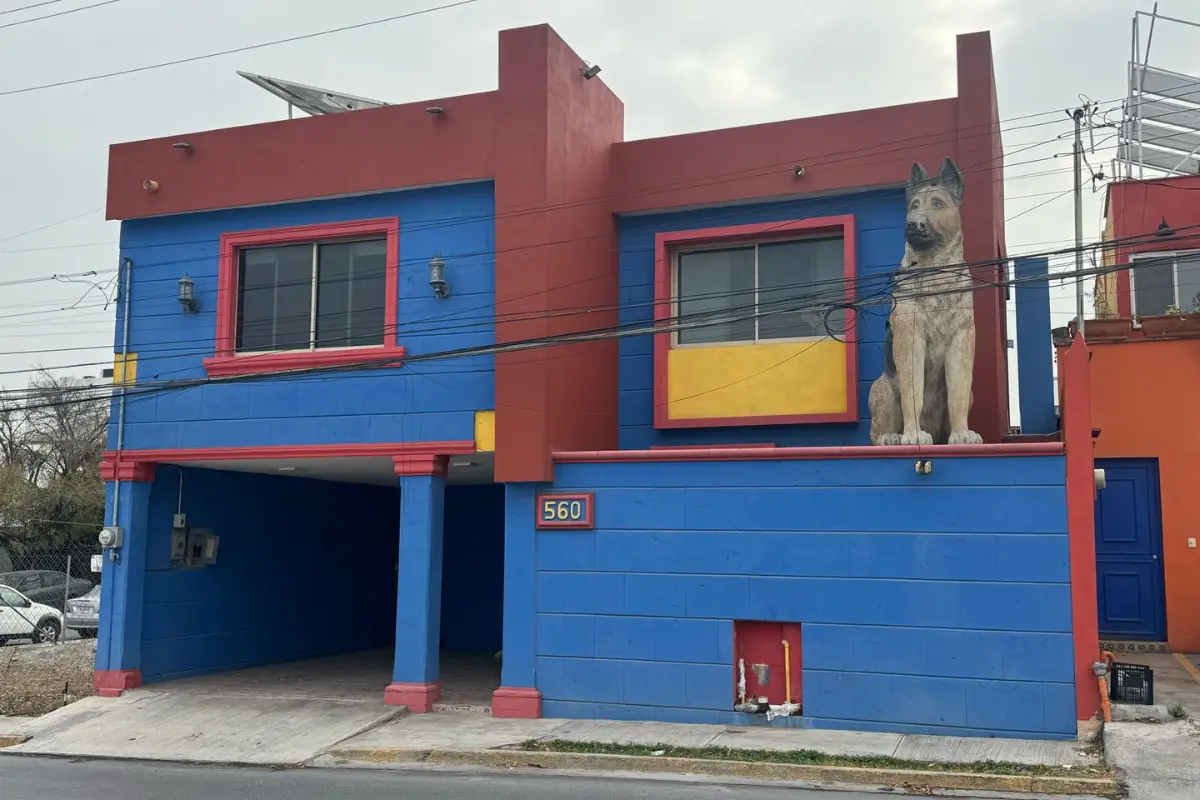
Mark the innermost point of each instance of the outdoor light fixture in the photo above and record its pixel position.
(589, 71)
(187, 294)
(437, 278)
(1164, 229)
(182, 146)
(435, 110)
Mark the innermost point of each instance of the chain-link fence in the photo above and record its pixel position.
(48, 597)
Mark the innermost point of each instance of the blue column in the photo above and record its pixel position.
(1035, 350)
(518, 696)
(419, 584)
(122, 581)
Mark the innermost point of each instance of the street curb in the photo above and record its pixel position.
(907, 779)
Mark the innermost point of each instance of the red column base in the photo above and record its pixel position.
(517, 703)
(115, 682)
(419, 697)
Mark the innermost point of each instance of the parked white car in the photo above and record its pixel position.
(21, 618)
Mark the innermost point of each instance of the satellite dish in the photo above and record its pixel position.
(310, 99)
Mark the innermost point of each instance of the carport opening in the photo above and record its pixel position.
(305, 570)
(472, 593)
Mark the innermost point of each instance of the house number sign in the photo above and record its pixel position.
(566, 510)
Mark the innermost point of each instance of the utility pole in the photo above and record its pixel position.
(1077, 115)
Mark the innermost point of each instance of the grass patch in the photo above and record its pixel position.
(808, 758)
(1178, 711)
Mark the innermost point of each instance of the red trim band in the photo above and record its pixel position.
(226, 361)
(419, 464)
(813, 453)
(665, 310)
(516, 703)
(419, 697)
(112, 468)
(294, 451)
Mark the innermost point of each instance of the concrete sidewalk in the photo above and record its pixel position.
(1160, 761)
(420, 732)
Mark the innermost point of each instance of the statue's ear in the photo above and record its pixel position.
(951, 178)
(917, 176)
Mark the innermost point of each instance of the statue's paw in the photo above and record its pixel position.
(887, 440)
(916, 437)
(965, 437)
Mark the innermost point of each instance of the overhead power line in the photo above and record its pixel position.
(58, 14)
(30, 6)
(233, 50)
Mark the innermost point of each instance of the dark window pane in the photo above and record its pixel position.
(1187, 273)
(716, 285)
(351, 293)
(53, 579)
(1153, 286)
(804, 275)
(275, 298)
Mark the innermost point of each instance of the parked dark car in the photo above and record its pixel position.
(46, 586)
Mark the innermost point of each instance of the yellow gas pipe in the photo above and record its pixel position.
(787, 671)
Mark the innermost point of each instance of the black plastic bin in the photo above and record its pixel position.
(1131, 683)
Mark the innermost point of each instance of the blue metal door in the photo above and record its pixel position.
(1129, 571)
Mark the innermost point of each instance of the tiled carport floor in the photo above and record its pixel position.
(468, 680)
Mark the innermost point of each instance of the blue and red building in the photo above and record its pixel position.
(635, 515)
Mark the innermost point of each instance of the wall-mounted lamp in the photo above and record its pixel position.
(435, 110)
(182, 146)
(437, 278)
(797, 170)
(924, 466)
(187, 294)
(589, 71)
(1164, 229)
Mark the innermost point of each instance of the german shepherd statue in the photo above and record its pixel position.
(924, 394)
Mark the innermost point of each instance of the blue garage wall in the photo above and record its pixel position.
(306, 568)
(434, 401)
(473, 568)
(879, 220)
(928, 604)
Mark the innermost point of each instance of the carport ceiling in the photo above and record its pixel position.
(373, 470)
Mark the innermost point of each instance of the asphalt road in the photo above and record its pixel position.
(26, 778)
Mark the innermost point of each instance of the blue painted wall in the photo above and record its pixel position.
(433, 401)
(473, 568)
(879, 218)
(1035, 349)
(928, 604)
(306, 568)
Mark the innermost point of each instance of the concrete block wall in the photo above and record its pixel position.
(933, 603)
(434, 401)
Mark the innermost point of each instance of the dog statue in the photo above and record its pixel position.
(924, 394)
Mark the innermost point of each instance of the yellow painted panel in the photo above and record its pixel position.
(122, 370)
(758, 380)
(485, 431)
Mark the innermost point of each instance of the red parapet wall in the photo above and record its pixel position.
(1081, 498)
(771, 453)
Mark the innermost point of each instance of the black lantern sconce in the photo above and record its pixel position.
(187, 294)
(437, 278)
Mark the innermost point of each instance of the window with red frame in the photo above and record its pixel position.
(312, 295)
(755, 292)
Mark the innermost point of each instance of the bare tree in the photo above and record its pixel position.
(51, 442)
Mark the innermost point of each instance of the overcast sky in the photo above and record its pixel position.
(678, 65)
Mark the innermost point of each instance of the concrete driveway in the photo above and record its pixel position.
(284, 714)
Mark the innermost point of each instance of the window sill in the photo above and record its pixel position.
(368, 357)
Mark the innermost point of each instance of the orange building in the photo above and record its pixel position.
(1145, 372)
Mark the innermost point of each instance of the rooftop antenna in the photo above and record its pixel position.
(311, 100)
